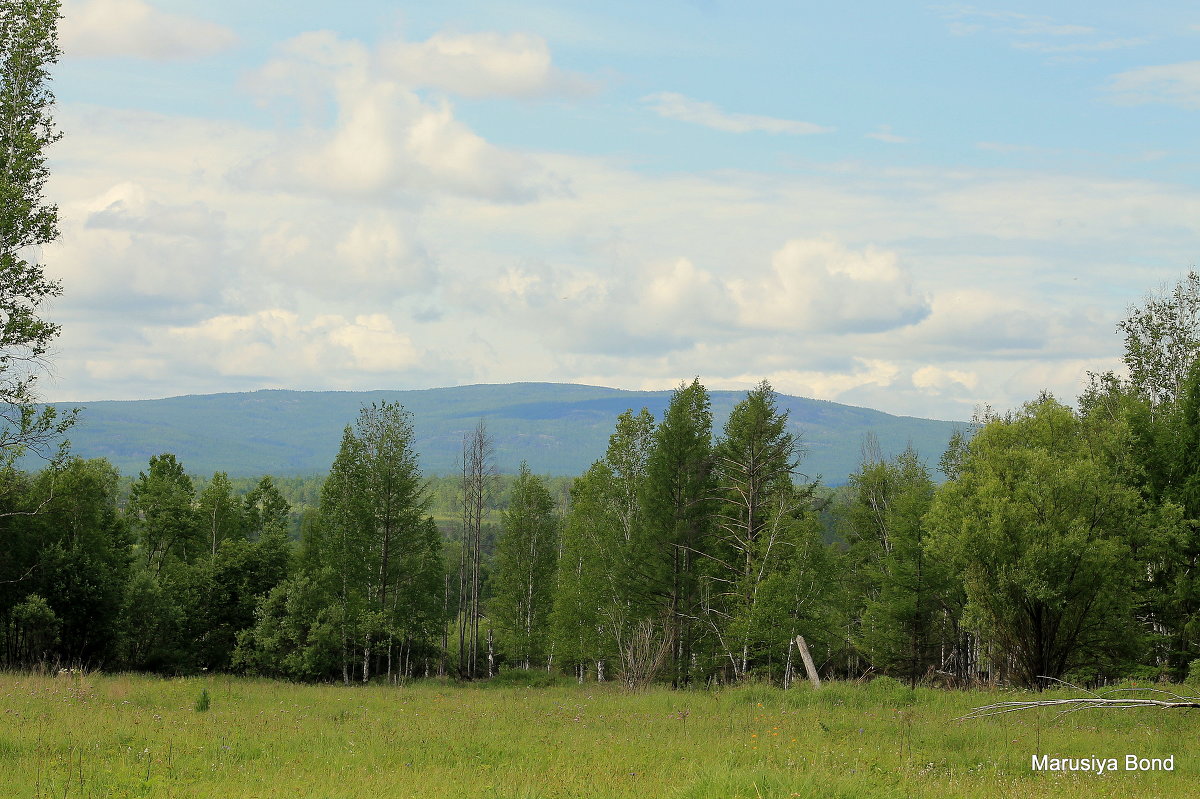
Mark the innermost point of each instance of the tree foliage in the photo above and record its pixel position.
(1044, 534)
(526, 556)
(28, 49)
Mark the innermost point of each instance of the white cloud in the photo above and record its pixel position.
(480, 65)
(278, 342)
(385, 142)
(676, 106)
(885, 134)
(1030, 31)
(136, 29)
(130, 249)
(818, 284)
(829, 385)
(120, 369)
(935, 380)
(1174, 84)
(202, 284)
(377, 253)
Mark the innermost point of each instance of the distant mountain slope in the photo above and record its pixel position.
(557, 428)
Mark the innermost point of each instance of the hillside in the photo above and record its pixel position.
(558, 428)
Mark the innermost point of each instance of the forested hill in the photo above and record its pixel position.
(559, 429)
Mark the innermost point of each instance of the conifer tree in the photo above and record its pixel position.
(761, 521)
(668, 548)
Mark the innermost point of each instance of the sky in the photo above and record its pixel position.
(924, 209)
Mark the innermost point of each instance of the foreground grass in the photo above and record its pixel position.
(137, 736)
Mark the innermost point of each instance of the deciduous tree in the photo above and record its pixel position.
(1043, 532)
(526, 554)
(28, 49)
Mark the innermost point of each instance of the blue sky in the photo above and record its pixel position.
(922, 209)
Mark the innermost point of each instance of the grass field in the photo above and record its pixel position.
(138, 736)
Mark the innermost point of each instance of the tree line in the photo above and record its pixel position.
(1062, 541)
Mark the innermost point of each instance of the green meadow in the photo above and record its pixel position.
(140, 736)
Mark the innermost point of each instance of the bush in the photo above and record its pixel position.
(891, 691)
(1193, 675)
(527, 678)
(203, 702)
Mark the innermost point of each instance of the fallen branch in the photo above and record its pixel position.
(1092, 700)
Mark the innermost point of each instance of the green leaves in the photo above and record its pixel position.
(1042, 529)
(526, 556)
(28, 47)
(1162, 339)
(376, 549)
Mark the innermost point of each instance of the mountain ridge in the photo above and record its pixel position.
(558, 428)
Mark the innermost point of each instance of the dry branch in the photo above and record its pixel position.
(1092, 700)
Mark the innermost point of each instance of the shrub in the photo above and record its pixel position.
(1193, 675)
(527, 678)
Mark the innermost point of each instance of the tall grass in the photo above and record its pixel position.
(137, 736)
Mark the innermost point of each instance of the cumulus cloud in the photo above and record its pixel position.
(676, 106)
(375, 251)
(819, 284)
(655, 308)
(258, 344)
(1173, 84)
(134, 250)
(935, 380)
(634, 280)
(829, 385)
(136, 29)
(480, 65)
(384, 142)
(964, 319)
(125, 207)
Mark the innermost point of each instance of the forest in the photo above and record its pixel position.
(1062, 544)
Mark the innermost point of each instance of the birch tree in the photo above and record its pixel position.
(526, 554)
(376, 537)
(28, 49)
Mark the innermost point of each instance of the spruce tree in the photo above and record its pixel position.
(668, 548)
